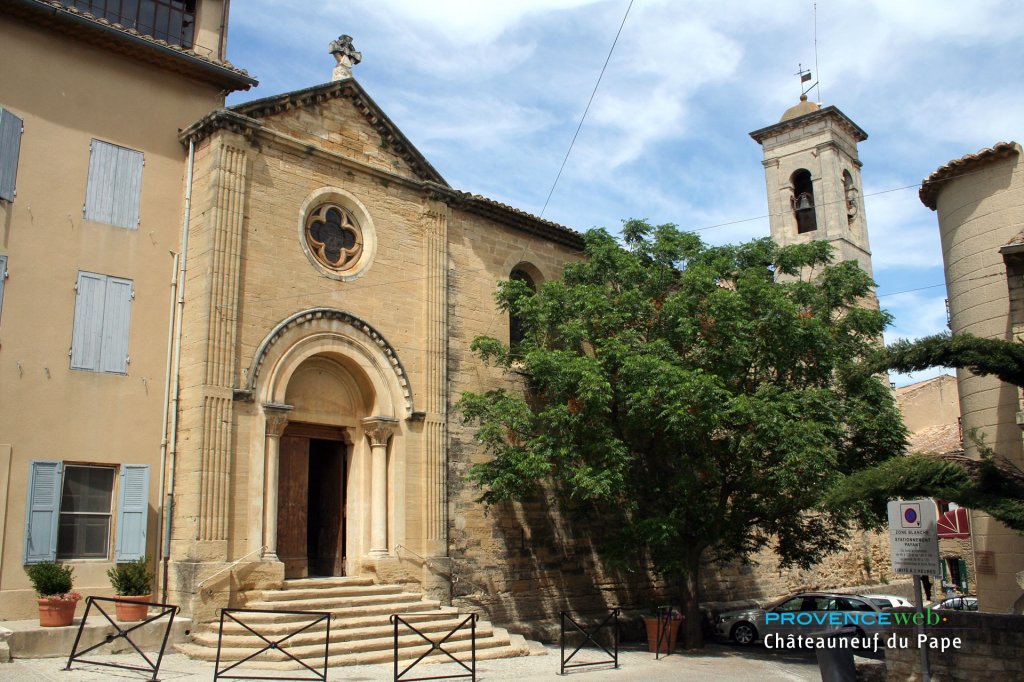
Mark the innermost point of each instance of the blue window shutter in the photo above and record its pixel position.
(43, 512)
(116, 318)
(127, 189)
(99, 195)
(10, 147)
(115, 185)
(3, 278)
(132, 512)
(87, 338)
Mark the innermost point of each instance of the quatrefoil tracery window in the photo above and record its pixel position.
(334, 237)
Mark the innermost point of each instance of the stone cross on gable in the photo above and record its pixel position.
(346, 56)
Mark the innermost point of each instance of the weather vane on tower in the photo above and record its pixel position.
(805, 75)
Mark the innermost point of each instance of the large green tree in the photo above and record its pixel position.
(990, 483)
(700, 400)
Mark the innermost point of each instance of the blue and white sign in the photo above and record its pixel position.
(914, 537)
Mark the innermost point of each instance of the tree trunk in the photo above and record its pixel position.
(692, 625)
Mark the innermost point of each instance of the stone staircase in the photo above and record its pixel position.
(360, 628)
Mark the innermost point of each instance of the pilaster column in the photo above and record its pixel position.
(378, 431)
(277, 420)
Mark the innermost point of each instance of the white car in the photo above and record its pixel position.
(887, 601)
(805, 613)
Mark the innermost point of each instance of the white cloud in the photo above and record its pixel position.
(917, 313)
(479, 123)
(469, 22)
(492, 93)
(903, 233)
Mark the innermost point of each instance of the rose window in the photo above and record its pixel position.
(334, 237)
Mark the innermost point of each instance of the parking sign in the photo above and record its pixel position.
(914, 537)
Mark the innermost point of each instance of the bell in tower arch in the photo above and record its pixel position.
(803, 201)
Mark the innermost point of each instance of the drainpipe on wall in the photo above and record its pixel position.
(166, 403)
(176, 340)
(222, 36)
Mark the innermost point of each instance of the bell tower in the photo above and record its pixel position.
(813, 176)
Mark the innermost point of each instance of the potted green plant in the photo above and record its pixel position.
(52, 583)
(666, 624)
(132, 582)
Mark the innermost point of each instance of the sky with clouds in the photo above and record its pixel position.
(491, 92)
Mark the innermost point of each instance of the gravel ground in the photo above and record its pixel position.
(714, 663)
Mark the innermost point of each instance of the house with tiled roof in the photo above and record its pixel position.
(979, 202)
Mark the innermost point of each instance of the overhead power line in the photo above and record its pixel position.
(586, 110)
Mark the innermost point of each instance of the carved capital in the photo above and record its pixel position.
(379, 430)
(277, 418)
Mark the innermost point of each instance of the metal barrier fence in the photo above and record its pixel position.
(470, 619)
(589, 635)
(273, 644)
(664, 631)
(122, 633)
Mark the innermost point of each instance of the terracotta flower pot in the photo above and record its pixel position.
(652, 635)
(128, 613)
(55, 613)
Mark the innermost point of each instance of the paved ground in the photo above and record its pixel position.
(714, 663)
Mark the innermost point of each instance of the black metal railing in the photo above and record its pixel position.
(273, 645)
(666, 616)
(590, 635)
(469, 619)
(124, 633)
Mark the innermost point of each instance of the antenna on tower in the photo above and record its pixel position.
(818, 82)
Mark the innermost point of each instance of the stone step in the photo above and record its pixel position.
(376, 630)
(311, 644)
(361, 631)
(339, 623)
(280, 615)
(332, 581)
(328, 603)
(318, 591)
(491, 647)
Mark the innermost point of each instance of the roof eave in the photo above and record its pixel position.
(830, 111)
(933, 184)
(369, 108)
(152, 51)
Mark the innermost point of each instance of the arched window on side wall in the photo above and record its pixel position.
(515, 325)
(803, 201)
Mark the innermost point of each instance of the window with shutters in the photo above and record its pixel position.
(10, 147)
(102, 317)
(115, 185)
(85, 511)
(72, 512)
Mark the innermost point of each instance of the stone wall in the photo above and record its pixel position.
(990, 646)
(865, 561)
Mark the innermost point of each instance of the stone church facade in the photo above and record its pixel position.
(336, 283)
(326, 284)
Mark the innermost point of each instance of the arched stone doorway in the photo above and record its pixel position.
(332, 394)
(328, 403)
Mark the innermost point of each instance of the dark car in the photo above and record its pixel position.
(959, 604)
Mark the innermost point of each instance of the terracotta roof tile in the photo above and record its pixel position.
(934, 183)
(940, 439)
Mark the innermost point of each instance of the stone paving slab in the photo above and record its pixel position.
(716, 663)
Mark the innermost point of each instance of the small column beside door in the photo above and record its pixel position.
(277, 420)
(379, 431)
